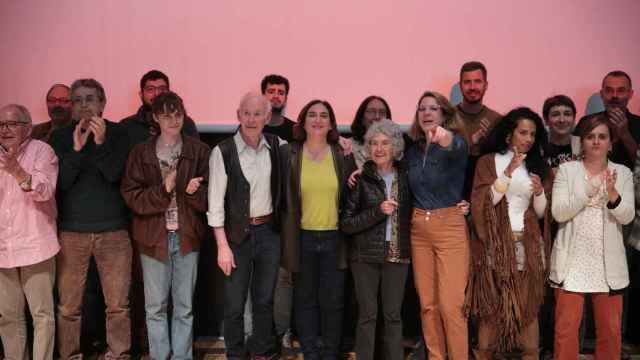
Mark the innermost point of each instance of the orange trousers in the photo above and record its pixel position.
(440, 257)
(607, 314)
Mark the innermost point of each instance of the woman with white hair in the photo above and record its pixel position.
(377, 214)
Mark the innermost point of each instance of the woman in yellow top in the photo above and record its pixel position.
(314, 180)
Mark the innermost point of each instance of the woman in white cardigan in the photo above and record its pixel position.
(592, 199)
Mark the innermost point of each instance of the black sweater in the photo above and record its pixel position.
(88, 190)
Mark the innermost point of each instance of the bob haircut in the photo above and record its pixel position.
(389, 129)
(497, 139)
(357, 126)
(557, 100)
(299, 134)
(168, 103)
(451, 122)
(587, 125)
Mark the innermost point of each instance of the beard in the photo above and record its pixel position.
(472, 100)
(59, 113)
(617, 103)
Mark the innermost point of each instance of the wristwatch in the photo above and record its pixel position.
(25, 184)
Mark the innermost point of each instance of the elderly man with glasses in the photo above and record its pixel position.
(28, 239)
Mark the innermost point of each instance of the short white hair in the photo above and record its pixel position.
(254, 95)
(387, 128)
(21, 110)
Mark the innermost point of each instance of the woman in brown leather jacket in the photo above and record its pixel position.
(165, 185)
(377, 213)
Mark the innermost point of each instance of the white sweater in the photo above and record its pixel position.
(568, 199)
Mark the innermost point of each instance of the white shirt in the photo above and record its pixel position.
(256, 168)
(519, 192)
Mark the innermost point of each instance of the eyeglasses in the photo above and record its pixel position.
(374, 112)
(12, 125)
(88, 100)
(432, 108)
(61, 101)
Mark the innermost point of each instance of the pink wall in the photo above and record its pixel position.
(215, 51)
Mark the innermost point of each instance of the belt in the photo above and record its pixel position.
(259, 220)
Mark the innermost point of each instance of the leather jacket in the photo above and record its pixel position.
(144, 192)
(292, 204)
(364, 220)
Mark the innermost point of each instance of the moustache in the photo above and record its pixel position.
(58, 110)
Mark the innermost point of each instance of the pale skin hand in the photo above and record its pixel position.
(463, 206)
(194, 185)
(516, 160)
(618, 118)
(79, 136)
(9, 163)
(226, 261)
(439, 135)
(353, 178)
(388, 206)
(610, 178)
(346, 145)
(170, 181)
(99, 129)
(536, 185)
(481, 133)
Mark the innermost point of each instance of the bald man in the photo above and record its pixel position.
(59, 109)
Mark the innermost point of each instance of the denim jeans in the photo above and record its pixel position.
(177, 275)
(319, 295)
(257, 261)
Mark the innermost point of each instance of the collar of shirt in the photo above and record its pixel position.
(242, 145)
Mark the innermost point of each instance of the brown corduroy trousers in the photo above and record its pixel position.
(440, 257)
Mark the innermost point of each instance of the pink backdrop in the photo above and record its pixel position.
(216, 50)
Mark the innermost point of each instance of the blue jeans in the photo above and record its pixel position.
(257, 261)
(319, 295)
(178, 275)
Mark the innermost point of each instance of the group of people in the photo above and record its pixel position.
(489, 213)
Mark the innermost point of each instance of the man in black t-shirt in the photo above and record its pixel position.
(276, 90)
(559, 113)
(616, 92)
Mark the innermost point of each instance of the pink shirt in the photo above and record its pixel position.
(28, 233)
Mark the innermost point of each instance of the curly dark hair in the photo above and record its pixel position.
(497, 139)
(357, 126)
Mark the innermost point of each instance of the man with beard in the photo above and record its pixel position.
(59, 108)
(478, 119)
(140, 126)
(276, 89)
(616, 92)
